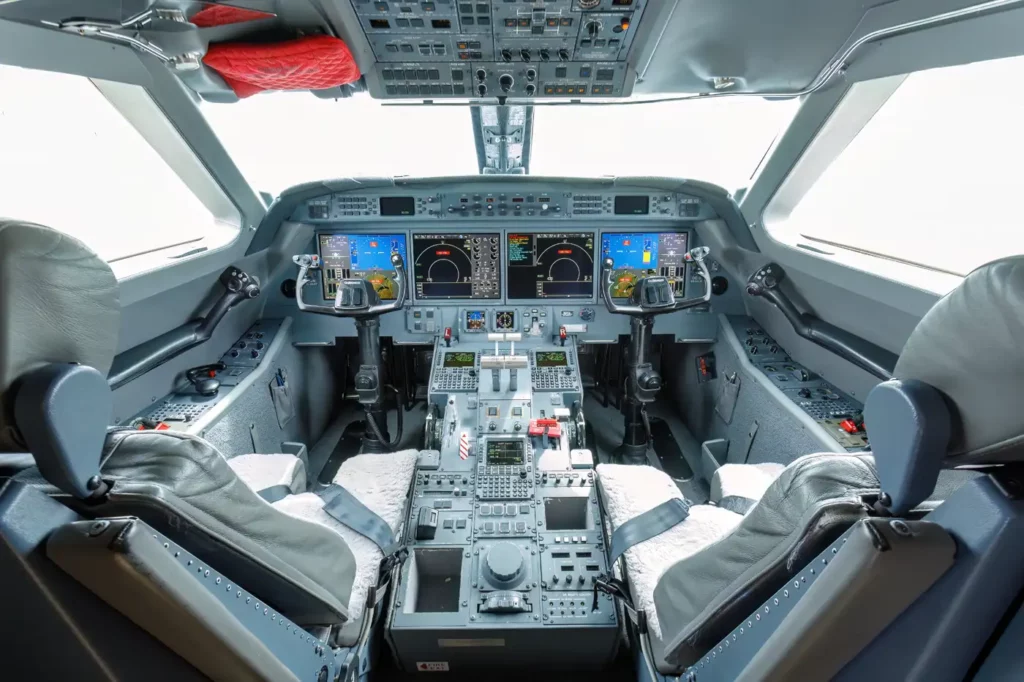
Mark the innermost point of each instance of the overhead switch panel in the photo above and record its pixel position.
(519, 49)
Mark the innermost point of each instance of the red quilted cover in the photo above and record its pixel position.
(309, 63)
(222, 15)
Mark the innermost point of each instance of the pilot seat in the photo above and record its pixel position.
(318, 558)
(696, 578)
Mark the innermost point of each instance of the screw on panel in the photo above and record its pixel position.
(900, 527)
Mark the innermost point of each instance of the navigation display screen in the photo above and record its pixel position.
(360, 256)
(551, 265)
(456, 266)
(460, 359)
(552, 359)
(505, 452)
(642, 254)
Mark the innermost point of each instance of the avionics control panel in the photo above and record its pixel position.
(352, 207)
(501, 48)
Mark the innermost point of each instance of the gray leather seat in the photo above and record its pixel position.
(59, 304)
(721, 565)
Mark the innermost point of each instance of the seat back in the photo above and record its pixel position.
(702, 597)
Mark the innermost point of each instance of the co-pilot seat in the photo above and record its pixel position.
(699, 575)
(60, 317)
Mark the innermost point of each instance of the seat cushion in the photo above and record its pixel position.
(629, 491)
(382, 483)
(744, 481)
(260, 472)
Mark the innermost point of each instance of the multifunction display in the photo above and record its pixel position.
(459, 359)
(456, 266)
(361, 256)
(642, 254)
(551, 265)
(505, 452)
(552, 359)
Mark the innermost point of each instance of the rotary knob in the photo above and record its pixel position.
(505, 82)
(587, 314)
(504, 563)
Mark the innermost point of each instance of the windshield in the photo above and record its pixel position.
(283, 139)
(716, 140)
(286, 138)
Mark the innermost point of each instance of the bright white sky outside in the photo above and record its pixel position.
(934, 174)
(283, 139)
(926, 180)
(72, 162)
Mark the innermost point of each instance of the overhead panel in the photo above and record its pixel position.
(520, 49)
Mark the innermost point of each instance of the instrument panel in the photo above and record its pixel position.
(360, 256)
(468, 266)
(550, 265)
(452, 266)
(645, 254)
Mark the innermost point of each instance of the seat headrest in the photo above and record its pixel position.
(58, 304)
(969, 347)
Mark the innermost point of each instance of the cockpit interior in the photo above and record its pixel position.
(653, 340)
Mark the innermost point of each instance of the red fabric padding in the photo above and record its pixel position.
(222, 15)
(309, 63)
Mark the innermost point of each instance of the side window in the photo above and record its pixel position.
(932, 180)
(72, 162)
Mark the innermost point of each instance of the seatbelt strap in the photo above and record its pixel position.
(344, 508)
(275, 493)
(651, 523)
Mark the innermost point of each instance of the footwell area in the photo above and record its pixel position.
(676, 451)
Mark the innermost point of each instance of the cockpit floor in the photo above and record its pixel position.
(620, 671)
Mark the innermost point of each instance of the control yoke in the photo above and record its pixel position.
(355, 297)
(654, 295)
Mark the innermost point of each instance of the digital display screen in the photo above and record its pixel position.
(505, 320)
(397, 206)
(360, 256)
(552, 359)
(460, 359)
(632, 205)
(505, 452)
(643, 254)
(551, 265)
(456, 266)
(476, 321)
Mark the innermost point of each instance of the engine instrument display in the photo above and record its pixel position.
(505, 452)
(455, 359)
(551, 265)
(642, 254)
(552, 359)
(360, 256)
(456, 266)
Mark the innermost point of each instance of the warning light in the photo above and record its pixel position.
(564, 252)
(627, 242)
(442, 252)
(373, 245)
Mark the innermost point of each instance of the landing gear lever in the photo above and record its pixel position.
(651, 296)
(357, 298)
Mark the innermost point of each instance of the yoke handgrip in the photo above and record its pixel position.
(355, 297)
(653, 295)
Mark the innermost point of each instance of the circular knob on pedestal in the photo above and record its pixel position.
(504, 563)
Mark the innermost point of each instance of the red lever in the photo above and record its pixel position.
(562, 334)
(447, 336)
(849, 426)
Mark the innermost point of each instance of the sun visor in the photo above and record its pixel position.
(308, 63)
